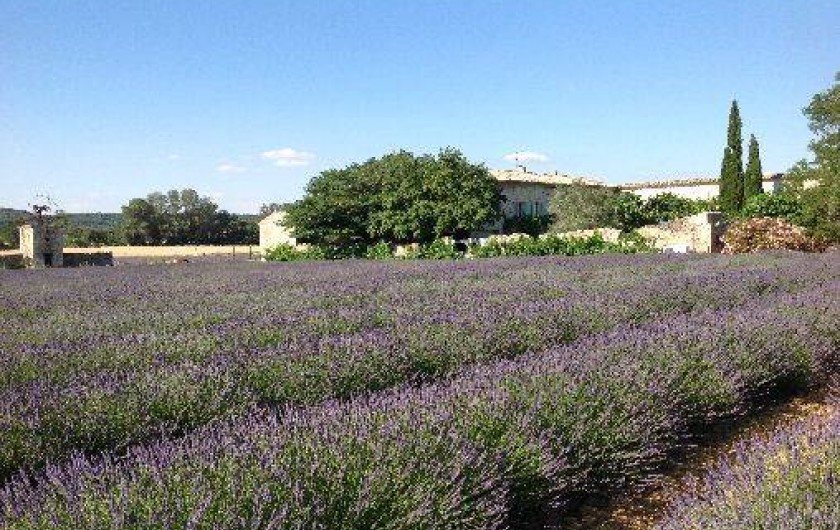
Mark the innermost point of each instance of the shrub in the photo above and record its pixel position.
(439, 249)
(583, 207)
(555, 245)
(286, 252)
(669, 206)
(381, 250)
(282, 252)
(765, 233)
(533, 226)
(773, 205)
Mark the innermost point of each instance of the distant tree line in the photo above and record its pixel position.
(183, 218)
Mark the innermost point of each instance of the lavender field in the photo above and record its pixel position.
(485, 394)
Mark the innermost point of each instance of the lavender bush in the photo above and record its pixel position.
(491, 447)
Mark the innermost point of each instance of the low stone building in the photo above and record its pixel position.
(274, 232)
(696, 188)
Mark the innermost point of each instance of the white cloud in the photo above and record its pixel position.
(526, 156)
(288, 157)
(226, 167)
(173, 157)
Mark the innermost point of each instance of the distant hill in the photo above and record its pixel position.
(96, 221)
(10, 215)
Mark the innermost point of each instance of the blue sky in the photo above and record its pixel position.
(246, 100)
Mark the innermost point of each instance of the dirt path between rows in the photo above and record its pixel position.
(641, 510)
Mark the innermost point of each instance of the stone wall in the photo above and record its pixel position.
(696, 233)
(11, 261)
(83, 259)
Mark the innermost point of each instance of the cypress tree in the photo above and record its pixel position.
(732, 167)
(753, 176)
(727, 197)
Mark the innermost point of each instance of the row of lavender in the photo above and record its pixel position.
(499, 444)
(98, 361)
(788, 482)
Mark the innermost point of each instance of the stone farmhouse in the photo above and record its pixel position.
(527, 194)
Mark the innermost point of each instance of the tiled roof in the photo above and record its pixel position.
(552, 179)
(694, 181)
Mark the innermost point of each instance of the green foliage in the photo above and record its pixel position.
(533, 226)
(754, 174)
(286, 252)
(554, 245)
(582, 207)
(578, 207)
(333, 252)
(11, 215)
(397, 198)
(817, 183)
(380, 251)
(79, 235)
(182, 218)
(9, 235)
(732, 166)
(628, 212)
(668, 206)
(282, 252)
(439, 249)
(782, 204)
(271, 207)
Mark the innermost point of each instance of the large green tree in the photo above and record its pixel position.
(753, 175)
(732, 166)
(817, 182)
(181, 218)
(399, 197)
(142, 223)
(584, 207)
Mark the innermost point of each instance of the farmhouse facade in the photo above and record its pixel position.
(526, 194)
